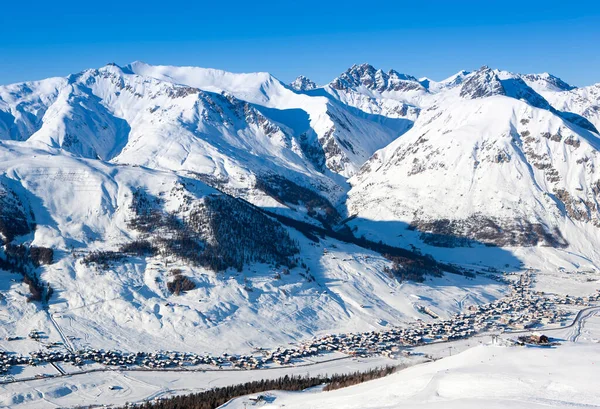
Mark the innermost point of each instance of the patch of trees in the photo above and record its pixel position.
(357, 377)
(180, 283)
(22, 260)
(410, 261)
(138, 247)
(404, 269)
(41, 256)
(220, 232)
(487, 230)
(38, 291)
(14, 220)
(19, 256)
(237, 233)
(149, 215)
(407, 264)
(102, 259)
(445, 240)
(184, 244)
(286, 191)
(216, 397)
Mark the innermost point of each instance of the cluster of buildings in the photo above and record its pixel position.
(522, 308)
(7, 361)
(151, 360)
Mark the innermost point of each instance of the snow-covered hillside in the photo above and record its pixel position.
(146, 179)
(484, 376)
(491, 161)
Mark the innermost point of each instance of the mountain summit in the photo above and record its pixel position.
(365, 75)
(301, 83)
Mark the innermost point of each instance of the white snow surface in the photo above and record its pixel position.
(483, 376)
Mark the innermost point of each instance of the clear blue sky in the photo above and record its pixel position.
(319, 39)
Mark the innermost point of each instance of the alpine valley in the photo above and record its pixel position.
(149, 208)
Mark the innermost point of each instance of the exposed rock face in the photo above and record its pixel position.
(487, 82)
(303, 84)
(583, 210)
(376, 80)
(484, 83)
(489, 231)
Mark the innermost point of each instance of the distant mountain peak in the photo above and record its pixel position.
(301, 83)
(483, 83)
(548, 81)
(365, 75)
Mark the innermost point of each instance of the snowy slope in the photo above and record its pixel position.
(191, 120)
(348, 137)
(83, 205)
(484, 376)
(584, 101)
(490, 161)
(112, 115)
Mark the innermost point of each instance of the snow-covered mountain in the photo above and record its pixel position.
(141, 174)
(492, 161)
(301, 83)
(584, 101)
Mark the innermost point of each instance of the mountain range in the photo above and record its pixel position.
(141, 176)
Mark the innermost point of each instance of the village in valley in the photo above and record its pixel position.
(522, 310)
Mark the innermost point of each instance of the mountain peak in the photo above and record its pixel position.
(301, 83)
(361, 67)
(365, 75)
(483, 83)
(547, 81)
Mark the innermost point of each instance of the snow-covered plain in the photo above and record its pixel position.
(137, 386)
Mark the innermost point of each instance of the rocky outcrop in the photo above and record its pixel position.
(487, 230)
(553, 82)
(301, 83)
(483, 83)
(376, 80)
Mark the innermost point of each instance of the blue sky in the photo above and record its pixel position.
(319, 39)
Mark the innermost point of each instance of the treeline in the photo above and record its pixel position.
(23, 260)
(236, 233)
(216, 397)
(359, 377)
(14, 220)
(406, 264)
(285, 191)
(220, 232)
